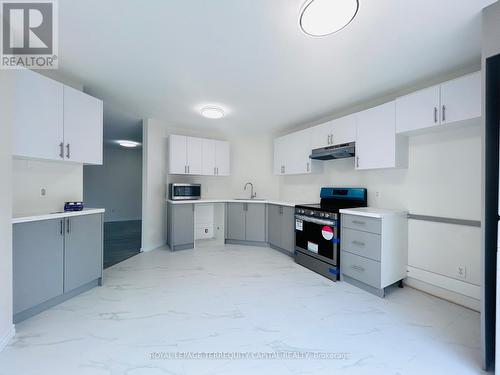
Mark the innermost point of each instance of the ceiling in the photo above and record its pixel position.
(166, 59)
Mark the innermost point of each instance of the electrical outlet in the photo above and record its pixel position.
(377, 194)
(462, 272)
(43, 192)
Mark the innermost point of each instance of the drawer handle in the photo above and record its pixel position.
(359, 243)
(358, 222)
(358, 268)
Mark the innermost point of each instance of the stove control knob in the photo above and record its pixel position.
(326, 215)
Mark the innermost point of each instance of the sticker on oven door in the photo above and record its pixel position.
(327, 233)
(299, 224)
(311, 246)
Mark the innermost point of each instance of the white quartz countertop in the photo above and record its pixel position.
(372, 212)
(56, 215)
(263, 201)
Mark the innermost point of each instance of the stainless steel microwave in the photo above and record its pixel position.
(184, 191)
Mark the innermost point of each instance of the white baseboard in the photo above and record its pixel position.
(456, 291)
(6, 336)
(152, 247)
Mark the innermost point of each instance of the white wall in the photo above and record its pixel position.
(251, 160)
(63, 181)
(6, 326)
(117, 184)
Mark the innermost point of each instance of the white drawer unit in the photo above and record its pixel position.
(374, 248)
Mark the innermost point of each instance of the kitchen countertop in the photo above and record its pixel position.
(263, 201)
(372, 212)
(56, 215)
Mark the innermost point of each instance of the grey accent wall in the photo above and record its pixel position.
(116, 185)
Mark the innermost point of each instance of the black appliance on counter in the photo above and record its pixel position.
(317, 229)
(178, 191)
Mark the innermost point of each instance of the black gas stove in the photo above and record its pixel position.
(317, 229)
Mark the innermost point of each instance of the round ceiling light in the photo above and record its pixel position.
(325, 17)
(212, 112)
(128, 144)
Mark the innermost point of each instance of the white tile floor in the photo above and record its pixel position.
(241, 299)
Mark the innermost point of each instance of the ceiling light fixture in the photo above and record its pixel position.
(128, 144)
(325, 17)
(212, 112)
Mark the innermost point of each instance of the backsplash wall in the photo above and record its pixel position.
(62, 181)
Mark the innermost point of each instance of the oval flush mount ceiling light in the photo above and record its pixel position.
(212, 112)
(325, 17)
(128, 144)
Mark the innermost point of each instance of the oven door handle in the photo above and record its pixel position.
(315, 220)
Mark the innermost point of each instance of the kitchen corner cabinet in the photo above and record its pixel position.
(55, 122)
(281, 228)
(377, 145)
(246, 223)
(54, 260)
(448, 103)
(180, 226)
(291, 154)
(198, 156)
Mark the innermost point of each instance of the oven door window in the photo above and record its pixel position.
(317, 238)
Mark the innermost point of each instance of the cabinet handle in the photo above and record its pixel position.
(357, 161)
(358, 222)
(358, 268)
(68, 226)
(359, 243)
(331, 139)
(61, 229)
(307, 166)
(444, 113)
(188, 169)
(435, 115)
(61, 150)
(68, 154)
(217, 171)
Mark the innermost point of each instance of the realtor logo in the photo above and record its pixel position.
(29, 34)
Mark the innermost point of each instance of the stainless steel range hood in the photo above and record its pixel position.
(345, 150)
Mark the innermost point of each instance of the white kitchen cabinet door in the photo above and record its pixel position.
(222, 158)
(208, 167)
(82, 127)
(343, 130)
(279, 148)
(418, 110)
(177, 154)
(194, 157)
(37, 129)
(461, 98)
(376, 137)
(321, 135)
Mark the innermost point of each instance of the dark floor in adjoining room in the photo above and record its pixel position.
(122, 240)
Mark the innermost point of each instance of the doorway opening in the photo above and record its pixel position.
(117, 185)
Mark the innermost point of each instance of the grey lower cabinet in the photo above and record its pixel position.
(246, 223)
(54, 260)
(180, 226)
(281, 228)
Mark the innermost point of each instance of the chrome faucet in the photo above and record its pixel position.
(252, 194)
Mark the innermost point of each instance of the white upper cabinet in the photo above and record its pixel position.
(450, 102)
(321, 135)
(418, 110)
(198, 156)
(194, 146)
(222, 158)
(208, 167)
(291, 154)
(55, 122)
(377, 145)
(38, 124)
(343, 130)
(335, 132)
(461, 98)
(82, 127)
(177, 154)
